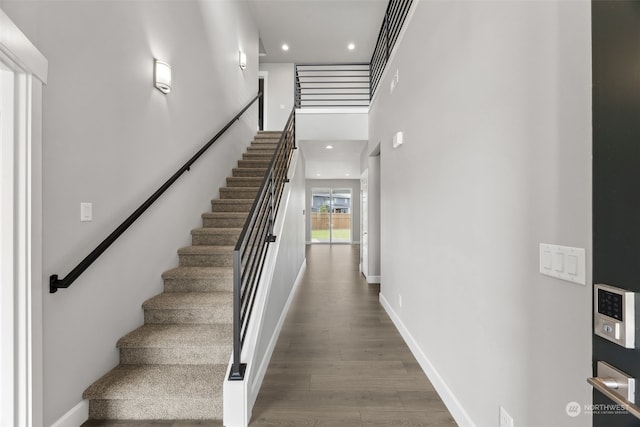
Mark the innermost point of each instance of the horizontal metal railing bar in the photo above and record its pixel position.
(336, 106)
(330, 64)
(336, 71)
(362, 97)
(341, 87)
(335, 93)
(55, 283)
(333, 81)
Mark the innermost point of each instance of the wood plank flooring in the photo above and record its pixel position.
(339, 360)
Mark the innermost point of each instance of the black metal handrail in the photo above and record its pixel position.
(55, 283)
(394, 17)
(251, 250)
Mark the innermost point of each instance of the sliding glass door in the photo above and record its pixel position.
(331, 215)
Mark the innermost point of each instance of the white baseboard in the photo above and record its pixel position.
(373, 279)
(75, 416)
(453, 405)
(262, 368)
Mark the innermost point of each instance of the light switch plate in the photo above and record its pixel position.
(563, 262)
(86, 212)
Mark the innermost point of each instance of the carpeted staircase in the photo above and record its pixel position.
(173, 366)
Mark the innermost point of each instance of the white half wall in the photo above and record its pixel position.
(494, 99)
(326, 124)
(279, 94)
(111, 138)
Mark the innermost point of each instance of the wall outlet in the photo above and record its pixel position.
(395, 80)
(505, 418)
(400, 300)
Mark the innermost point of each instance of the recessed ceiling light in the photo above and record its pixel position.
(351, 46)
(285, 47)
(329, 147)
(317, 174)
(347, 174)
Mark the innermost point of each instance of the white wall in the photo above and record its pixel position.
(354, 185)
(332, 124)
(279, 94)
(494, 100)
(110, 138)
(290, 258)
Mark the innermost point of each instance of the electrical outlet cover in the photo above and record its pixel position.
(505, 418)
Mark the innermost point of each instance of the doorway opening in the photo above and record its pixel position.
(261, 104)
(331, 215)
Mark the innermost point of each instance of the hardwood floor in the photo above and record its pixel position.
(339, 360)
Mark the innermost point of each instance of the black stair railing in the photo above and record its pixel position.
(251, 250)
(55, 283)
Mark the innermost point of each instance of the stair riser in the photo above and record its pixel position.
(212, 222)
(209, 316)
(215, 239)
(263, 146)
(172, 356)
(238, 193)
(153, 408)
(209, 260)
(257, 156)
(253, 164)
(220, 206)
(244, 182)
(221, 284)
(262, 149)
(245, 172)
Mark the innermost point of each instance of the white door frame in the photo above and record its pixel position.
(21, 221)
(265, 76)
(364, 223)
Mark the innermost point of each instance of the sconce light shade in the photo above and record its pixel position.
(242, 59)
(162, 76)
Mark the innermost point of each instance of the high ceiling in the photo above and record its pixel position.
(318, 30)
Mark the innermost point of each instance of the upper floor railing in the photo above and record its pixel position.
(332, 85)
(394, 18)
(351, 84)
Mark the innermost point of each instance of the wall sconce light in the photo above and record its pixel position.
(162, 76)
(242, 59)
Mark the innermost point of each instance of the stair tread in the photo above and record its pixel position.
(197, 272)
(216, 230)
(224, 215)
(178, 336)
(240, 189)
(188, 300)
(205, 250)
(231, 201)
(159, 381)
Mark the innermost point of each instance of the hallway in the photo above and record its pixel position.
(339, 360)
